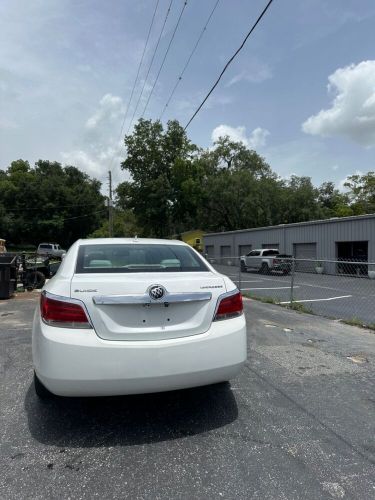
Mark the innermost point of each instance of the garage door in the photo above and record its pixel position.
(244, 249)
(271, 245)
(225, 254)
(352, 251)
(305, 251)
(210, 251)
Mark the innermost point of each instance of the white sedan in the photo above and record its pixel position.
(131, 316)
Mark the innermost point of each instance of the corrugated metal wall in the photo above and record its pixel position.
(324, 233)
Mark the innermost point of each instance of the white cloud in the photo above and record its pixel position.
(186, 106)
(82, 160)
(341, 184)
(256, 139)
(8, 124)
(255, 72)
(97, 163)
(110, 108)
(101, 147)
(352, 113)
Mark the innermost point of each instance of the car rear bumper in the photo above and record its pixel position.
(79, 363)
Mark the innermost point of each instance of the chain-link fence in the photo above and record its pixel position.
(338, 289)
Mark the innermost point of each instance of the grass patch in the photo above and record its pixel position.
(260, 298)
(297, 306)
(301, 308)
(358, 322)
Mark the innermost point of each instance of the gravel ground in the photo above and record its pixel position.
(299, 422)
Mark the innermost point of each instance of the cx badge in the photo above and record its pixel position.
(156, 292)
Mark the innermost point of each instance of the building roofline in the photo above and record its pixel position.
(294, 224)
(191, 231)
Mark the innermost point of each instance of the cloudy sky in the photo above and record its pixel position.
(301, 93)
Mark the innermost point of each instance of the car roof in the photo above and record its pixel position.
(123, 241)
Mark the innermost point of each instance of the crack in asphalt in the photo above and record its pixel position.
(312, 415)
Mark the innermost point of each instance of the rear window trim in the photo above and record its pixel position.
(80, 269)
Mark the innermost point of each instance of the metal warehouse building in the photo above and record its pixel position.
(346, 238)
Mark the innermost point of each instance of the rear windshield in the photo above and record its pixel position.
(45, 246)
(137, 257)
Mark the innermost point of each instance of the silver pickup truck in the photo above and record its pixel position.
(265, 261)
(50, 250)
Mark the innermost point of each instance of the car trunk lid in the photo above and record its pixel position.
(121, 308)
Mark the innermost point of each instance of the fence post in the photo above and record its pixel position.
(292, 281)
(239, 273)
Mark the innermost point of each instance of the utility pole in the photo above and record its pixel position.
(110, 206)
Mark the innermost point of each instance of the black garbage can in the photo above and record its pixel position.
(8, 275)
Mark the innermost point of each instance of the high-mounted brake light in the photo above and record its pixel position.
(229, 307)
(63, 313)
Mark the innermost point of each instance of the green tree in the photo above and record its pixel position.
(240, 190)
(48, 202)
(124, 225)
(152, 155)
(300, 201)
(175, 186)
(334, 203)
(361, 192)
(231, 155)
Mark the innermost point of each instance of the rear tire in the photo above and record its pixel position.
(264, 269)
(35, 279)
(41, 390)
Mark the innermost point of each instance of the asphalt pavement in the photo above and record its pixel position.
(298, 423)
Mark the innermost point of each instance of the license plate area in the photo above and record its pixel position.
(155, 315)
(151, 321)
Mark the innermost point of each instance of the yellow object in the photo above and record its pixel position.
(2, 246)
(193, 238)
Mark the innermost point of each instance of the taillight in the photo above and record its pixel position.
(63, 313)
(229, 307)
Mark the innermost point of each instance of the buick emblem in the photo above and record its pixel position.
(156, 292)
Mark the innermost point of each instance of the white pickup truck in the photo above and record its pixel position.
(266, 260)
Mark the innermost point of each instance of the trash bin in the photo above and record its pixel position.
(8, 275)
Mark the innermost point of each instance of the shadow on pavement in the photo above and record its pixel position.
(129, 420)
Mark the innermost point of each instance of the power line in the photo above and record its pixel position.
(54, 207)
(86, 215)
(165, 57)
(79, 216)
(188, 60)
(228, 63)
(136, 80)
(150, 65)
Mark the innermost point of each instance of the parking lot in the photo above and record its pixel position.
(339, 297)
(299, 422)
